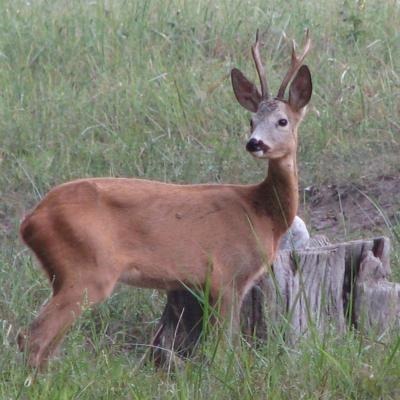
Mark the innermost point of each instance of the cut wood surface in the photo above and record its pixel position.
(322, 286)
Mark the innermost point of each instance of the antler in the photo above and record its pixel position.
(294, 65)
(255, 49)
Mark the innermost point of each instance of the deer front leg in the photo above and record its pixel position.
(227, 306)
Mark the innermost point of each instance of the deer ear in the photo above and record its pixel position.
(246, 92)
(300, 89)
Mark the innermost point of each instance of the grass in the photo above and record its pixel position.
(120, 88)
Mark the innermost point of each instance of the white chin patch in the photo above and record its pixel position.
(258, 154)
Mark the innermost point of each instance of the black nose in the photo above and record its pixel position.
(253, 145)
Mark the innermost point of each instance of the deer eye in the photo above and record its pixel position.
(282, 122)
(251, 124)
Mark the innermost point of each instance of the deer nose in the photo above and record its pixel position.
(253, 145)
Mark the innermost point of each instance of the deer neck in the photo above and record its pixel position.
(279, 192)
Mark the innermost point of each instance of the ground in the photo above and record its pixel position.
(340, 211)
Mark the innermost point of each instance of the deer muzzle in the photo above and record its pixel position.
(254, 145)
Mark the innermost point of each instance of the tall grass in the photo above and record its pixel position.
(141, 88)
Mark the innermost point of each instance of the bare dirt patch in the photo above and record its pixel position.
(342, 210)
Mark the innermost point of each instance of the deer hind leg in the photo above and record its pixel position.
(47, 330)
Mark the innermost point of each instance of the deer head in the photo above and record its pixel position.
(275, 120)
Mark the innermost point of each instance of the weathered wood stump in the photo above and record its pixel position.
(322, 286)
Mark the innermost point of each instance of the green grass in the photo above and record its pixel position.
(141, 88)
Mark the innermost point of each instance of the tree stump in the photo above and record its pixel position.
(320, 287)
(377, 301)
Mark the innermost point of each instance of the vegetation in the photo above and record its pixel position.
(141, 88)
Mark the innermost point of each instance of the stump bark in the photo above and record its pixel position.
(323, 286)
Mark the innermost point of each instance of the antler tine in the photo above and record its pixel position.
(295, 64)
(255, 49)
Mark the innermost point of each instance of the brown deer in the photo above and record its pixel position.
(90, 234)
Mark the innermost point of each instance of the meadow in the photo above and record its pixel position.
(141, 89)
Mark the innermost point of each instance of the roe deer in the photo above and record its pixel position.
(90, 234)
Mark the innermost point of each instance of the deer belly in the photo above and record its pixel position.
(167, 275)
